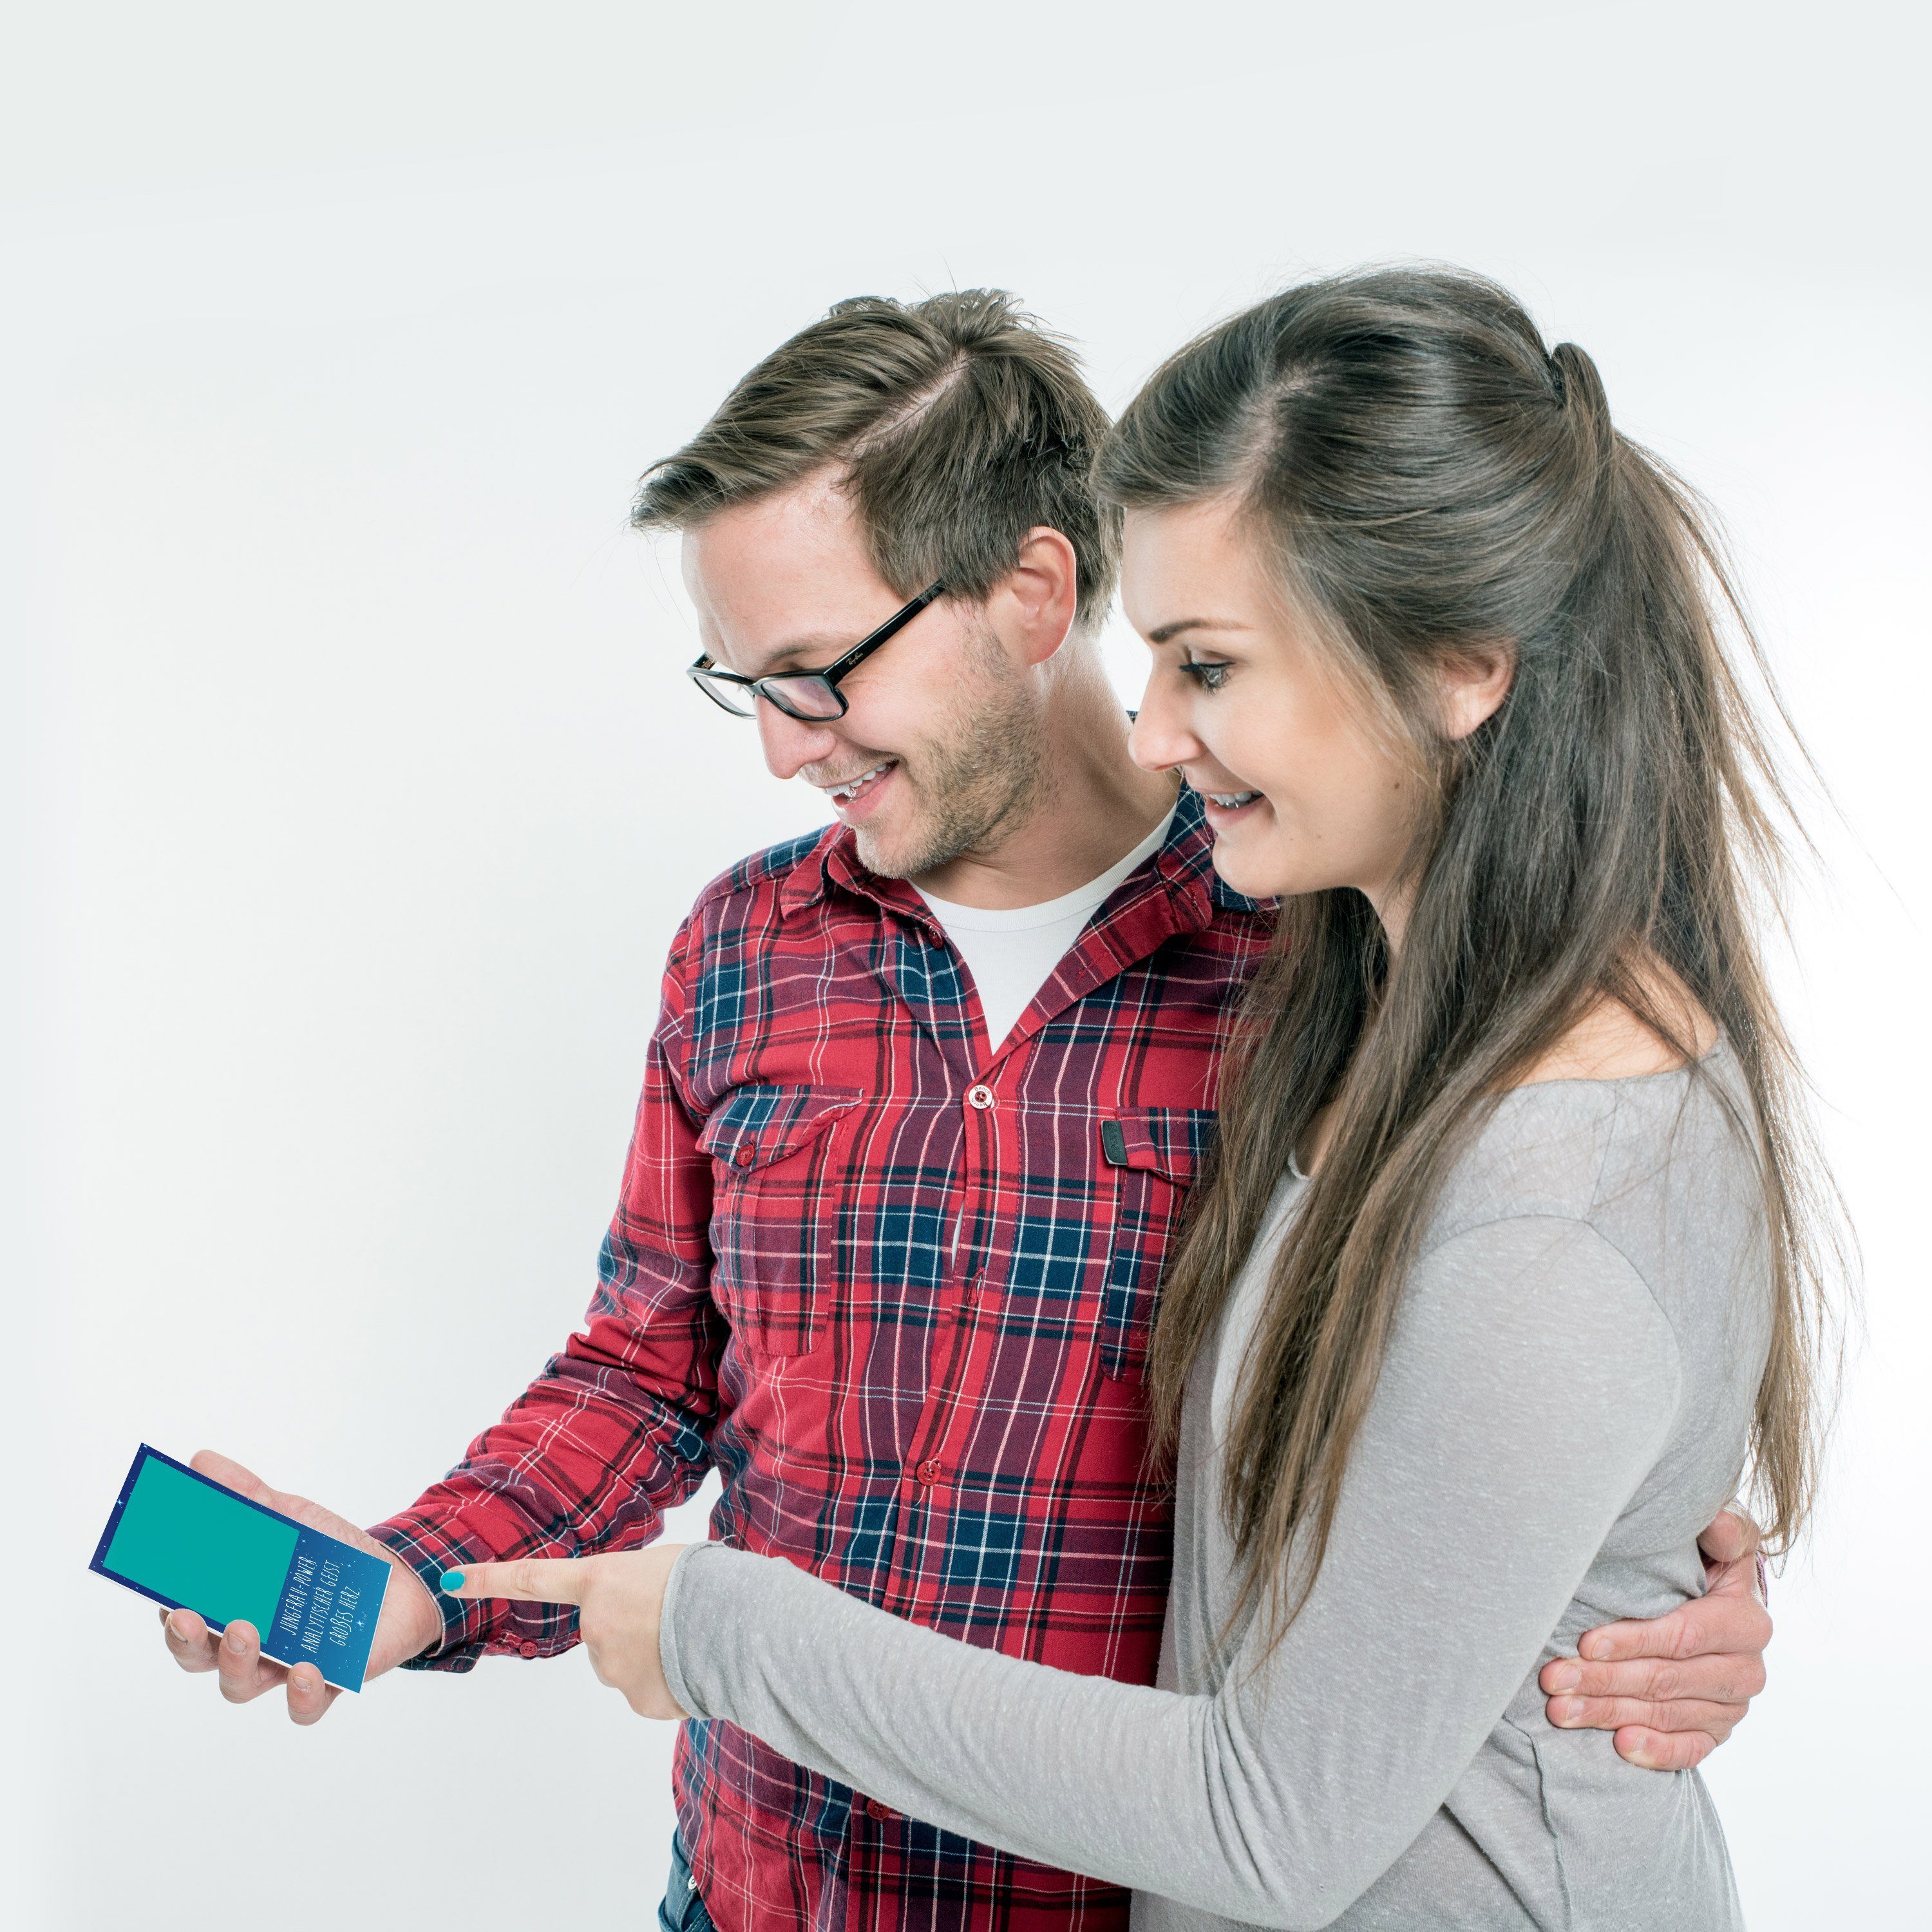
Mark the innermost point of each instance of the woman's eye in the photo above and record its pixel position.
(1210, 674)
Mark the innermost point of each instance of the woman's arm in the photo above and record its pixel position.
(1482, 1485)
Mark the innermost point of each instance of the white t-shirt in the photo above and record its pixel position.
(1010, 953)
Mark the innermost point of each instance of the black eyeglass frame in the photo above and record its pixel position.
(704, 671)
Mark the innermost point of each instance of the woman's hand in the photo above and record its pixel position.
(619, 1600)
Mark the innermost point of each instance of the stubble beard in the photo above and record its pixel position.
(983, 774)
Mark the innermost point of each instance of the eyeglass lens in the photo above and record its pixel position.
(804, 696)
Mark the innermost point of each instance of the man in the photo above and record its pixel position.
(924, 1099)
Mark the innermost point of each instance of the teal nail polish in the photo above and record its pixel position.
(452, 1580)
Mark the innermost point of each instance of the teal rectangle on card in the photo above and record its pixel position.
(180, 1538)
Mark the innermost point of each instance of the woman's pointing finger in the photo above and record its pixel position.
(530, 1580)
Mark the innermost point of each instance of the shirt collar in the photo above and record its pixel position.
(1184, 864)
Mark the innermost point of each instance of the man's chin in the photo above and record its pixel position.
(903, 852)
(912, 836)
(884, 857)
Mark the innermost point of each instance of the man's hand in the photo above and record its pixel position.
(619, 1601)
(410, 1624)
(1672, 1688)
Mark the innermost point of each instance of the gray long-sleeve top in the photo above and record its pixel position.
(1563, 1407)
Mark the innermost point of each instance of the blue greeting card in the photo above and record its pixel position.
(186, 1541)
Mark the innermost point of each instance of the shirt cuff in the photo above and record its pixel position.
(473, 1627)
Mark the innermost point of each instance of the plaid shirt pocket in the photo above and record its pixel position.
(771, 1223)
(1156, 1150)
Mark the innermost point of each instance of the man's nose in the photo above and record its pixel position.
(1161, 736)
(791, 743)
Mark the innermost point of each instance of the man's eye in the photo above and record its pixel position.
(1210, 674)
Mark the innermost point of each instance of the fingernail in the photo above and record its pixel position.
(1572, 1710)
(1566, 1677)
(174, 1629)
(233, 1641)
(452, 1580)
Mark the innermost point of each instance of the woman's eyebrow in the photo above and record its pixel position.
(1168, 633)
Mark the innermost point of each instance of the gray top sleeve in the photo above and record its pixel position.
(1528, 1386)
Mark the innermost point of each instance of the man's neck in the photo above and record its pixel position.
(1096, 807)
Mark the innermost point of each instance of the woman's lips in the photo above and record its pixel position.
(1225, 808)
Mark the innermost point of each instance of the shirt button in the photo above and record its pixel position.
(873, 1809)
(980, 1096)
(929, 1471)
(527, 1649)
(745, 1156)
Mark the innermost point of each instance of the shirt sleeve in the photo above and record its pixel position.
(617, 1427)
(1529, 1385)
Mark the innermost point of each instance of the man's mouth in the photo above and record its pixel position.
(852, 788)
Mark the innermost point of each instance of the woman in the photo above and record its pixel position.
(1440, 648)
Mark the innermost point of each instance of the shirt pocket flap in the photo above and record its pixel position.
(1170, 1142)
(1157, 1151)
(760, 1125)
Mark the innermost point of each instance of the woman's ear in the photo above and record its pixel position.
(1475, 681)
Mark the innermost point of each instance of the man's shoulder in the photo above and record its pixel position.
(1187, 859)
(756, 881)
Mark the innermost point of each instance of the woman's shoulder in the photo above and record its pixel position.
(1610, 1103)
(1609, 1040)
(1649, 1149)
(1620, 1086)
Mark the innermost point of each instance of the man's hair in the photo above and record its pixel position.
(957, 424)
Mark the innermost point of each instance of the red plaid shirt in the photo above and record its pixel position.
(897, 1289)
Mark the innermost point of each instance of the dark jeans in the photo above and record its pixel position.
(683, 1910)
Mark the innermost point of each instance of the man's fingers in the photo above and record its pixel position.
(1738, 1584)
(1615, 1713)
(1616, 1643)
(1729, 1620)
(1663, 1750)
(1731, 1538)
(1672, 1688)
(236, 1653)
(309, 1697)
(239, 1659)
(530, 1580)
(190, 1641)
(1733, 1678)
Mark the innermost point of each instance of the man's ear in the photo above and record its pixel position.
(1475, 681)
(1032, 607)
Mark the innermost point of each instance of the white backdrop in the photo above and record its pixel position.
(357, 789)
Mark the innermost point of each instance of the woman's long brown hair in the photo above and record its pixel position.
(1427, 479)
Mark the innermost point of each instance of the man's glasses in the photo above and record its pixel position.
(811, 695)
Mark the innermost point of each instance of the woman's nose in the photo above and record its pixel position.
(1160, 738)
